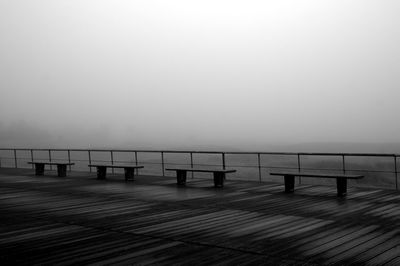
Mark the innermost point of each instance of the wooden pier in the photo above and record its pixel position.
(79, 220)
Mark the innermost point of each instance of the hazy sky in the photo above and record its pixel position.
(103, 73)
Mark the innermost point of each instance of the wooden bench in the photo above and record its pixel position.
(129, 170)
(61, 167)
(219, 174)
(341, 179)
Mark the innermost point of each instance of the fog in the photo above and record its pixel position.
(198, 74)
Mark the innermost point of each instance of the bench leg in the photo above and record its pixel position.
(39, 168)
(101, 172)
(181, 177)
(61, 170)
(341, 184)
(219, 179)
(289, 183)
(129, 173)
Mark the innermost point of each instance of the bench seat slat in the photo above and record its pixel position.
(51, 163)
(202, 170)
(322, 175)
(115, 166)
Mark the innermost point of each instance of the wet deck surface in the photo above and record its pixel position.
(79, 220)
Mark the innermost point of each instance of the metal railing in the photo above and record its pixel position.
(256, 168)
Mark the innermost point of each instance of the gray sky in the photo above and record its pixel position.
(210, 72)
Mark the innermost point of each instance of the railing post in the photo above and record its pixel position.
(90, 160)
(162, 163)
(259, 166)
(395, 172)
(69, 159)
(15, 159)
(223, 160)
(343, 164)
(191, 163)
(51, 168)
(33, 166)
(136, 162)
(299, 166)
(112, 160)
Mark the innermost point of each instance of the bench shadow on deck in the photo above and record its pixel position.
(151, 221)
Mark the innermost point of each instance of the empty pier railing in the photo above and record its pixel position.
(380, 169)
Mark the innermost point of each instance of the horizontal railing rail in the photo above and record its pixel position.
(12, 157)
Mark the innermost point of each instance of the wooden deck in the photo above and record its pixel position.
(78, 220)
